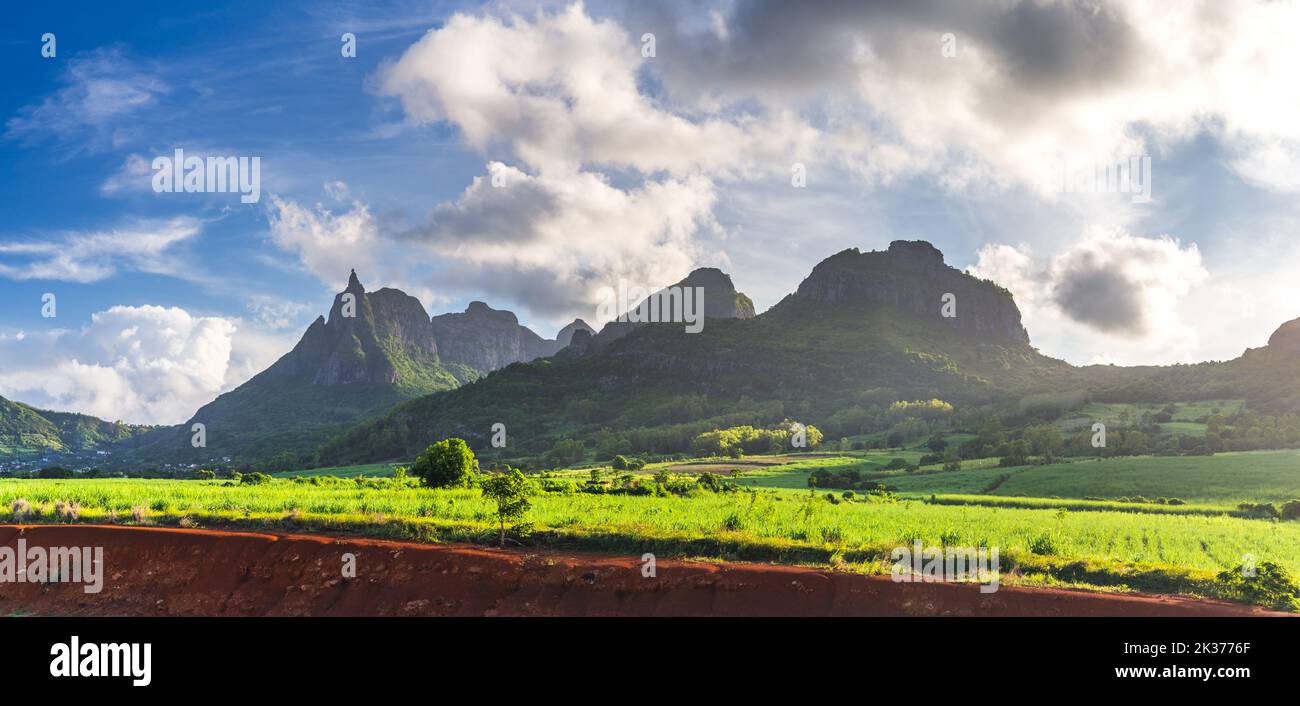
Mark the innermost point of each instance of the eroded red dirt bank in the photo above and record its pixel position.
(159, 571)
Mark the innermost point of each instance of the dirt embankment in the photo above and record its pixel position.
(158, 571)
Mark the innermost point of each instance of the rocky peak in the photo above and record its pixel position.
(911, 276)
(1286, 337)
(565, 336)
(721, 301)
(368, 338)
(485, 339)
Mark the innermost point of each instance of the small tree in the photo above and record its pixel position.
(447, 464)
(510, 490)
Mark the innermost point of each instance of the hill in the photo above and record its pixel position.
(27, 430)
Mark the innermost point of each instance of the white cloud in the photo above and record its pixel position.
(1111, 295)
(561, 91)
(76, 256)
(328, 245)
(102, 88)
(145, 364)
(552, 243)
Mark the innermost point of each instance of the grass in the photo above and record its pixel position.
(370, 470)
(1221, 481)
(1117, 413)
(1163, 551)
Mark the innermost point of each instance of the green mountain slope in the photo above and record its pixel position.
(344, 369)
(26, 430)
(842, 346)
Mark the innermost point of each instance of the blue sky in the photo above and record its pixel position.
(622, 165)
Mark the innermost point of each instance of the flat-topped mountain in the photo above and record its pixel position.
(720, 301)
(911, 276)
(1286, 337)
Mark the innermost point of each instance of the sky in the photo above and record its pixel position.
(529, 154)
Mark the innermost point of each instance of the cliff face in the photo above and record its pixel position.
(389, 340)
(485, 339)
(912, 277)
(1286, 338)
(721, 301)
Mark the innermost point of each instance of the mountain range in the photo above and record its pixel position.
(379, 379)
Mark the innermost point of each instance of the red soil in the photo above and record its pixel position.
(158, 571)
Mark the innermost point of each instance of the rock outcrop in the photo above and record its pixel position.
(376, 337)
(911, 276)
(721, 301)
(1286, 338)
(485, 339)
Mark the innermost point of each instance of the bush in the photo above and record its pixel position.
(447, 464)
(21, 509)
(254, 478)
(204, 475)
(1045, 544)
(1268, 584)
(1291, 510)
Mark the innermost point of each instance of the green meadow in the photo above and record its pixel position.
(1056, 524)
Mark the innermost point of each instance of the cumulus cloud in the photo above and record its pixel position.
(145, 245)
(1118, 291)
(549, 243)
(554, 242)
(145, 364)
(328, 245)
(1034, 85)
(141, 364)
(562, 91)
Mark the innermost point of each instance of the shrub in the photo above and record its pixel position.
(1268, 584)
(204, 475)
(1259, 509)
(447, 464)
(1045, 544)
(254, 478)
(1290, 510)
(21, 509)
(68, 511)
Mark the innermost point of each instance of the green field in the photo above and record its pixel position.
(370, 470)
(1066, 541)
(1125, 414)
